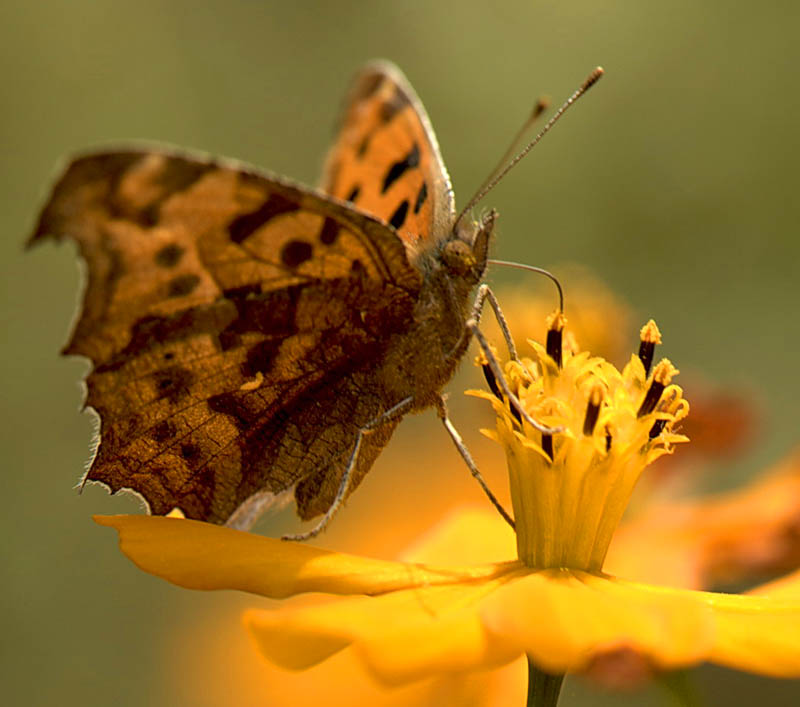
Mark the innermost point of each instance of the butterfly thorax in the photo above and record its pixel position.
(424, 358)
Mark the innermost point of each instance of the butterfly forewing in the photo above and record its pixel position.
(233, 320)
(386, 160)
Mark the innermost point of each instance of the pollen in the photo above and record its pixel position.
(649, 337)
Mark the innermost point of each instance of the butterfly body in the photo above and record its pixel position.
(415, 365)
(245, 329)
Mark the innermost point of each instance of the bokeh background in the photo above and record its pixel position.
(675, 181)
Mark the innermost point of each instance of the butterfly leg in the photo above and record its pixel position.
(441, 409)
(485, 294)
(500, 380)
(387, 416)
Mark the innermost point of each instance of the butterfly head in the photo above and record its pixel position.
(465, 253)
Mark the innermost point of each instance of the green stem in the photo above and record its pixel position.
(543, 688)
(681, 689)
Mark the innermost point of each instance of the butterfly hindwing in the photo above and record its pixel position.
(234, 321)
(386, 160)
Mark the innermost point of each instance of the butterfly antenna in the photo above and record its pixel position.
(540, 271)
(542, 104)
(497, 173)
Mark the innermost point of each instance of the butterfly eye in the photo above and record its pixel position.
(458, 257)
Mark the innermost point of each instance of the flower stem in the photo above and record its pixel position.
(543, 688)
(681, 689)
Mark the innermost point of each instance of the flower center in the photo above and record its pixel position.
(570, 488)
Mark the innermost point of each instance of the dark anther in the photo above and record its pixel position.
(547, 445)
(608, 441)
(650, 336)
(553, 346)
(657, 428)
(651, 398)
(592, 411)
(491, 381)
(646, 351)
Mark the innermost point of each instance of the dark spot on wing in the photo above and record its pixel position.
(296, 253)
(191, 454)
(242, 292)
(399, 216)
(173, 383)
(245, 225)
(354, 192)
(163, 431)
(182, 285)
(180, 174)
(169, 255)
(272, 313)
(233, 406)
(329, 232)
(177, 176)
(229, 339)
(149, 215)
(399, 168)
(260, 357)
(368, 86)
(394, 105)
(153, 330)
(422, 194)
(357, 268)
(363, 146)
(103, 172)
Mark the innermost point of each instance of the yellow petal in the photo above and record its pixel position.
(401, 637)
(563, 618)
(757, 634)
(199, 555)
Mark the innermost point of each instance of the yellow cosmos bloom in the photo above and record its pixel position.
(553, 603)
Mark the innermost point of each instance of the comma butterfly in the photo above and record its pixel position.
(251, 336)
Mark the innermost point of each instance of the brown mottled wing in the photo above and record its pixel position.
(234, 321)
(386, 159)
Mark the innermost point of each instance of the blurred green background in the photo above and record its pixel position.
(676, 181)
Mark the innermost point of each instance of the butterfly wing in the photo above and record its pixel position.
(386, 159)
(233, 320)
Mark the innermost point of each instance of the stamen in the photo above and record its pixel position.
(567, 505)
(673, 405)
(662, 376)
(488, 374)
(555, 330)
(547, 445)
(592, 410)
(491, 381)
(649, 336)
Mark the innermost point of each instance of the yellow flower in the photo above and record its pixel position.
(570, 490)
(553, 603)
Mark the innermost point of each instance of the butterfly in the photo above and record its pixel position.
(251, 336)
